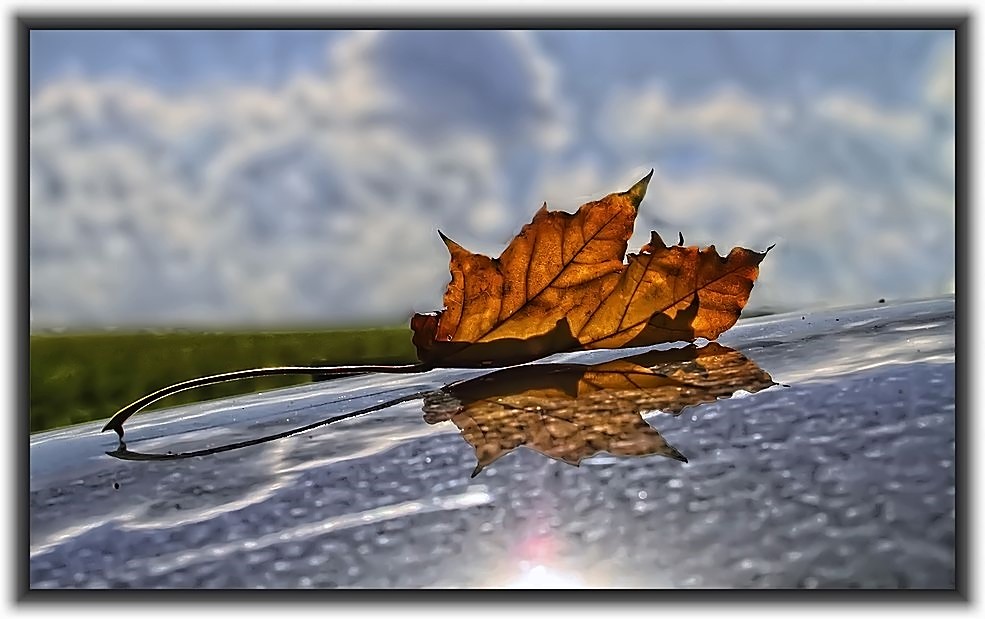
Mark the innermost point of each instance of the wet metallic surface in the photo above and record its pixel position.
(845, 478)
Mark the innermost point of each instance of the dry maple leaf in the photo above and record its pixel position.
(561, 285)
(572, 411)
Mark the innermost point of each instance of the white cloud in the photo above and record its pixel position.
(858, 196)
(650, 116)
(856, 114)
(449, 81)
(315, 201)
(939, 89)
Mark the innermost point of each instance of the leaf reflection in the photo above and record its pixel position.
(571, 411)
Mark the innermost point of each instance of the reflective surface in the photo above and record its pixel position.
(843, 477)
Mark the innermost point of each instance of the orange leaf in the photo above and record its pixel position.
(561, 285)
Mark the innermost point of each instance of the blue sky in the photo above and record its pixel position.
(272, 177)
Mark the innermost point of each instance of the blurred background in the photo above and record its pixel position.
(271, 181)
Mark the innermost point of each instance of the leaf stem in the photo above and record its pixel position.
(123, 453)
(337, 371)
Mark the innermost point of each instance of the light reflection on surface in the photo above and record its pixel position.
(543, 577)
(535, 562)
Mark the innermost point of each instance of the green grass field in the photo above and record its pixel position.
(77, 378)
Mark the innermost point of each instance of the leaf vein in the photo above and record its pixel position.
(666, 307)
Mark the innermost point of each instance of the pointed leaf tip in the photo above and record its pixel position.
(676, 455)
(450, 244)
(637, 191)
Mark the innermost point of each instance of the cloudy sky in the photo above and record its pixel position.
(197, 178)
